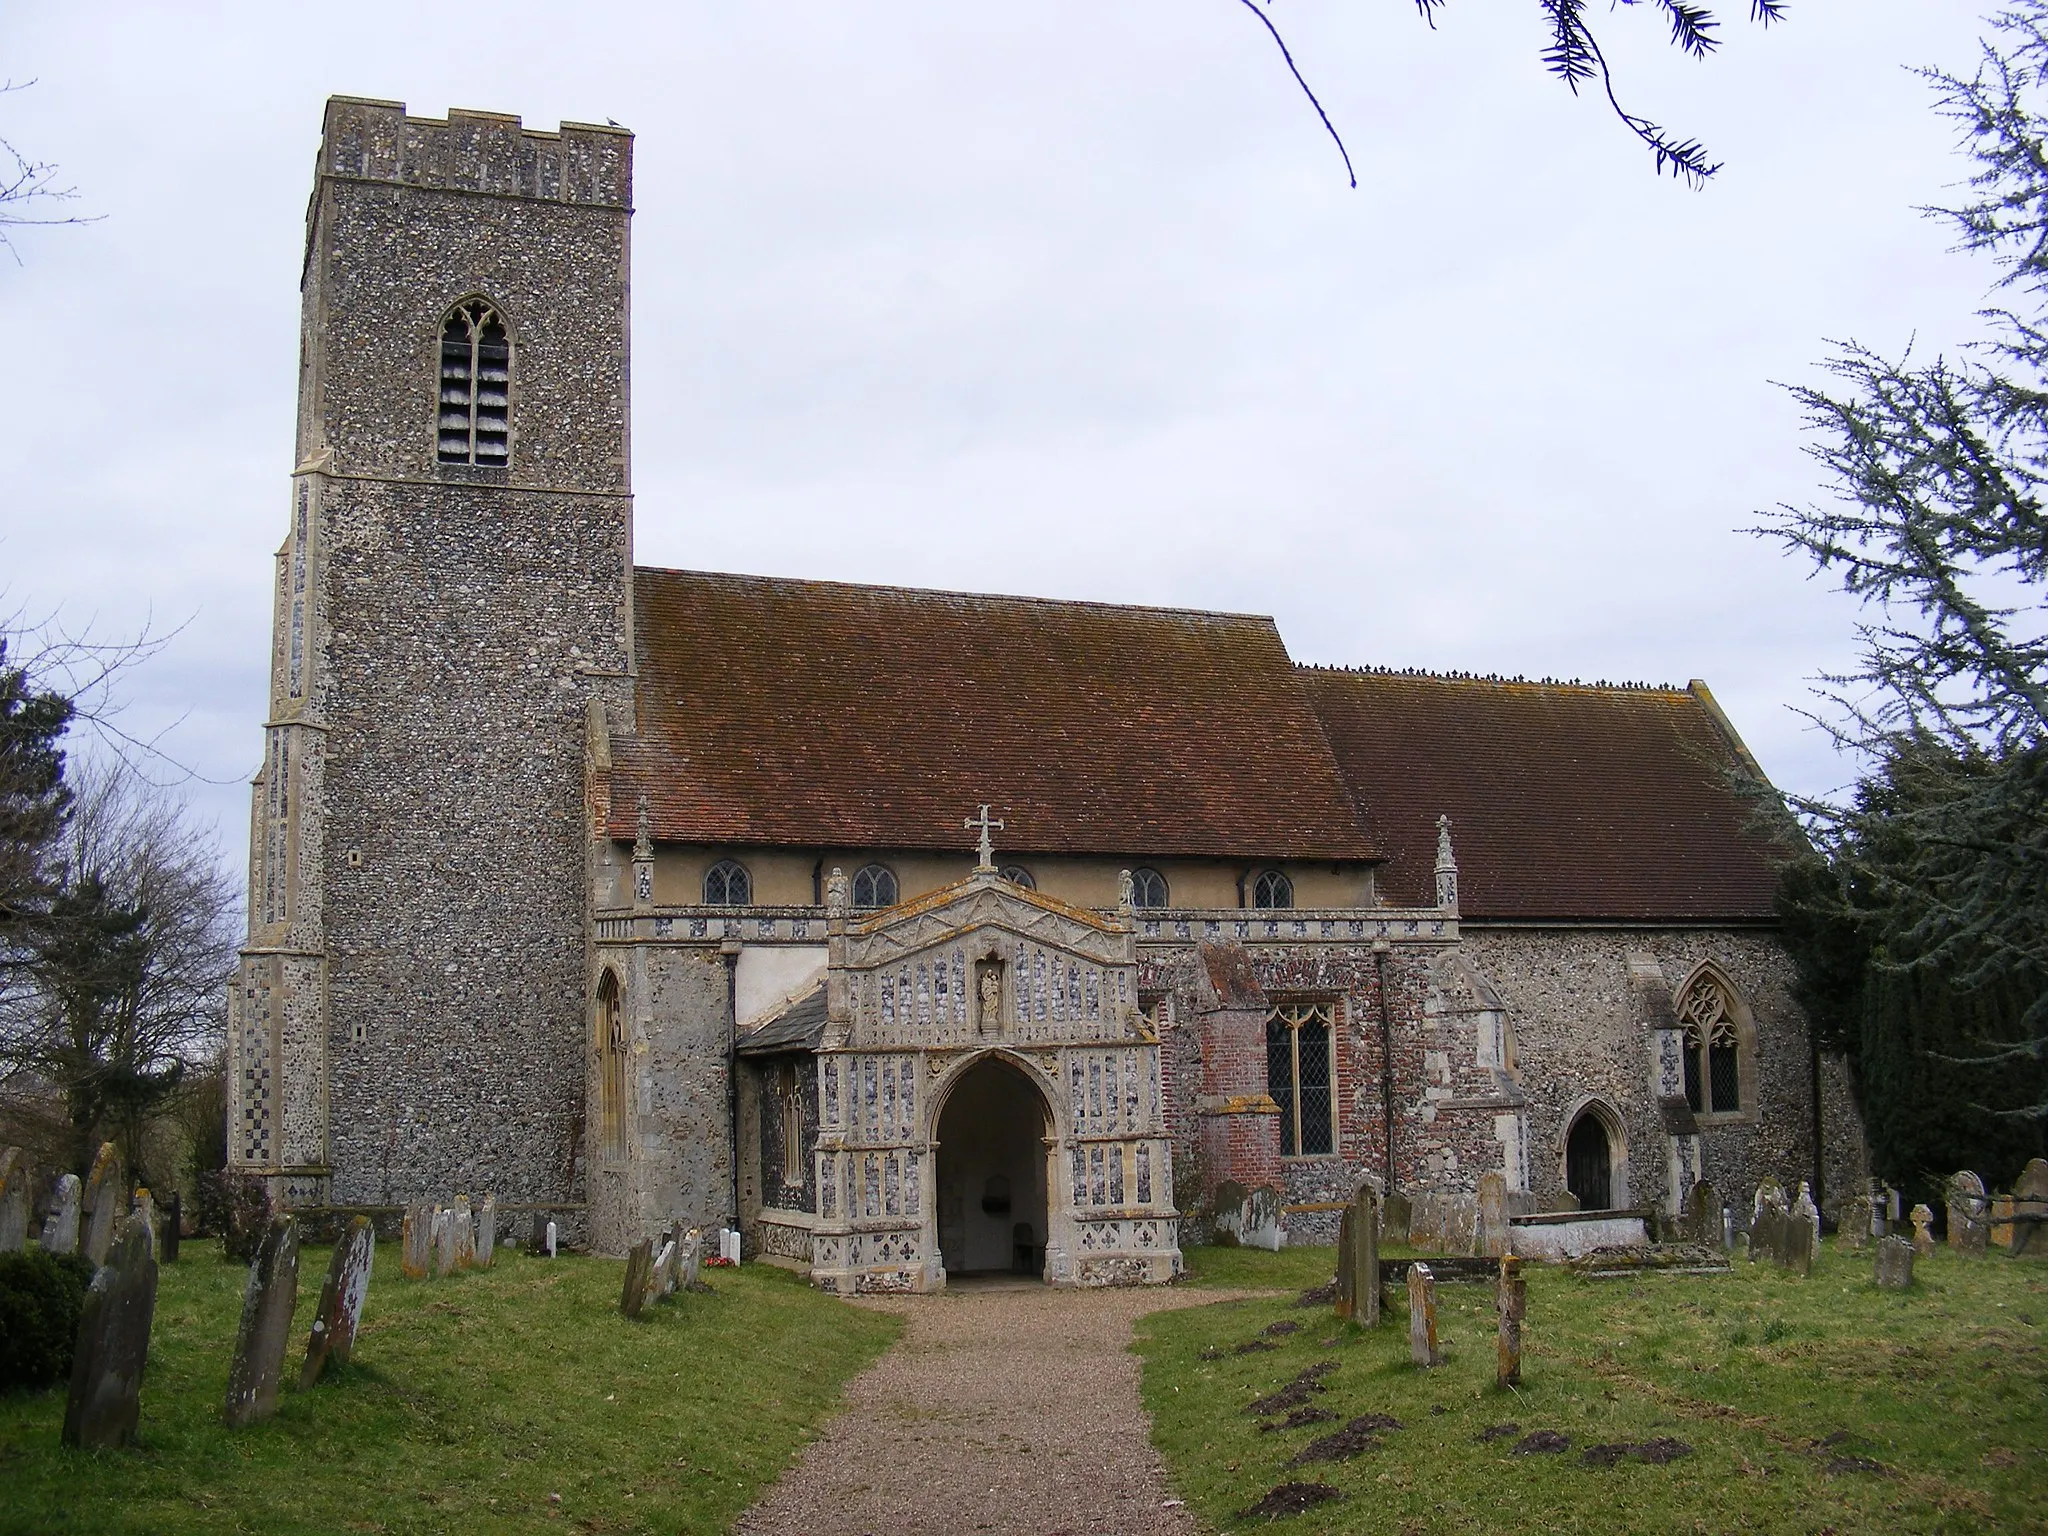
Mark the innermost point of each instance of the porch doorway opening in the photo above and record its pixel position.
(1589, 1163)
(992, 1173)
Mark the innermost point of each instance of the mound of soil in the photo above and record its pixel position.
(1605, 1455)
(1301, 1418)
(1662, 1451)
(1253, 1346)
(1284, 1326)
(1355, 1438)
(1494, 1432)
(1840, 1464)
(1544, 1442)
(1321, 1296)
(1295, 1393)
(1290, 1499)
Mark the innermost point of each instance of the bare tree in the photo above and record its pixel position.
(30, 192)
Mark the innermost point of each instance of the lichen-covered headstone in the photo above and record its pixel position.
(105, 1202)
(1511, 1304)
(1923, 1230)
(1894, 1264)
(1805, 1208)
(416, 1242)
(1422, 1345)
(1855, 1232)
(1358, 1258)
(342, 1295)
(1461, 1226)
(1227, 1204)
(1490, 1228)
(692, 1260)
(447, 1248)
(487, 1232)
(639, 1270)
(1260, 1225)
(465, 1234)
(1703, 1214)
(14, 1177)
(60, 1227)
(1766, 1231)
(105, 1404)
(1770, 1195)
(2030, 1208)
(662, 1282)
(1396, 1212)
(1796, 1243)
(1969, 1216)
(145, 1207)
(267, 1302)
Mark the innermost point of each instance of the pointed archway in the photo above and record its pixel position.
(1589, 1162)
(993, 1194)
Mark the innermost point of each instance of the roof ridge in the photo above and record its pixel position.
(986, 597)
(1601, 685)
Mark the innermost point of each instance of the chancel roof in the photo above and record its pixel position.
(820, 714)
(1566, 801)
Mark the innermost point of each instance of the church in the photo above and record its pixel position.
(913, 933)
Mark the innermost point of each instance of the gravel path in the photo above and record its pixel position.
(1007, 1408)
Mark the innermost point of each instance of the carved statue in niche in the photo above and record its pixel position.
(989, 986)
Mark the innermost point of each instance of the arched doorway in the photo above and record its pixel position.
(1589, 1163)
(992, 1173)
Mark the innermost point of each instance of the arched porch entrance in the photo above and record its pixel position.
(992, 1172)
(1589, 1162)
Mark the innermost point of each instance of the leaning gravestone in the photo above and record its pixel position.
(639, 1270)
(1358, 1258)
(60, 1227)
(105, 1202)
(1969, 1224)
(341, 1300)
(113, 1344)
(662, 1282)
(487, 1233)
(416, 1242)
(1796, 1243)
(1422, 1342)
(1703, 1214)
(1894, 1264)
(1923, 1231)
(267, 1302)
(1804, 1207)
(1490, 1234)
(14, 1176)
(1511, 1303)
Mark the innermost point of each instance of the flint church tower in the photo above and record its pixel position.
(453, 622)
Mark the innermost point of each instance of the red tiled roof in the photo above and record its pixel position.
(819, 714)
(1565, 801)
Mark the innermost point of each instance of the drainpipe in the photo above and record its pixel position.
(1379, 965)
(729, 951)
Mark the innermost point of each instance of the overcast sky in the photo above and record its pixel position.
(1053, 298)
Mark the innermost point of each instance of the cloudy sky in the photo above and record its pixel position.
(1054, 298)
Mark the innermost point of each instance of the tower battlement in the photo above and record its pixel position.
(491, 153)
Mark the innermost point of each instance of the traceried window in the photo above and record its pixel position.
(1017, 874)
(1713, 1048)
(727, 884)
(790, 1095)
(874, 886)
(610, 1029)
(1272, 889)
(1300, 1079)
(475, 415)
(1148, 888)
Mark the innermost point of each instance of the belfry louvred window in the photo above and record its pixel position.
(1300, 1079)
(475, 420)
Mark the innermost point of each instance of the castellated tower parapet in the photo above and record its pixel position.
(453, 608)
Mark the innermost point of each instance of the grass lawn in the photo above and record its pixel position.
(1811, 1405)
(470, 1401)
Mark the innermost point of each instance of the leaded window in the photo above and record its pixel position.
(1017, 874)
(874, 886)
(1272, 889)
(727, 884)
(1301, 1078)
(1148, 888)
(790, 1094)
(475, 412)
(1713, 1049)
(610, 1029)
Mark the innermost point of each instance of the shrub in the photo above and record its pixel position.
(238, 1208)
(41, 1296)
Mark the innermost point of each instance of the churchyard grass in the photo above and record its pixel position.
(1810, 1405)
(470, 1400)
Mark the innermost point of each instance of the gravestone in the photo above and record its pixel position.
(1396, 1212)
(447, 1252)
(1804, 1207)
(145, 1207)
(1923, 1230)
(267, 1302)
(341, 1300)
(171, 1230)
(416, 1242)
(662, 1281)
(1770, 1194)
(1856, 1233)
(2030, 1206)
(113, 1344)
(1358, 1258)
(554, 1235)
(1461, 1224)
(1563, 1203)
(105, 1202)
(487, 1233)
(1490, 1204)
(639, 1269)
(1422, 1344)
(538, 1243)
(1796, 1243)
(693, 1258)
(1227, 1204)
(465, 1234)
(1894, 1264)
(14, 1176)
(1259, 1228)
(1969, 1216)
(1766, 1233)
(1703, 1214)
(1879, 1210)
(1511, 1303)
(60, 1227)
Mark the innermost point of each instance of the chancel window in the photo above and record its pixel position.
(1272, 889)
(874, 886)
(610, 1029)
(790, 1095)
(1148, 888)
(475, 412)
(1713, 1048)
(1300, 1078)
(727, 884)
(1017, 874)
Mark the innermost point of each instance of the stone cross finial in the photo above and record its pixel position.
(1446, 865)
(988, 847)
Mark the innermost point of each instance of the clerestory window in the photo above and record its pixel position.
(1300, 1078)
(727, 884)
(874, 886)
(1272, 889)
(1148, 888)
(475, 414)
